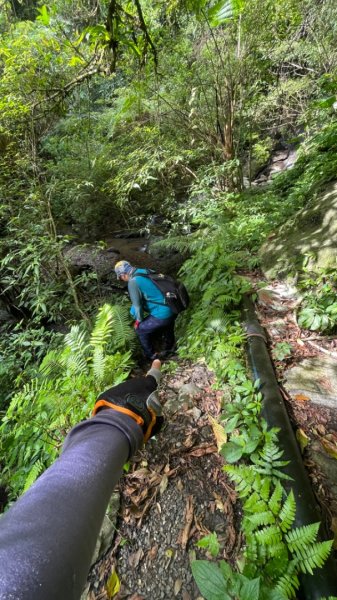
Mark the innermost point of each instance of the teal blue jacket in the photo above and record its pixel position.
(144, 296)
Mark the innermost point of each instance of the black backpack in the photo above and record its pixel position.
(175, 293)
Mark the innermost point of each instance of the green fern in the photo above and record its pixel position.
(269, 536)
(123, 337)
(276, 499)
(314, 556)
(98, 364)
(260, 519)
(76, 350)
(62, 394)
(33, 474)
(268, 461)
(244, 477)
(287, 513)
(288, 583)
(103, 327)
(299, 538)
(51, 366)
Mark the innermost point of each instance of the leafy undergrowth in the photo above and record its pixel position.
(62, 392)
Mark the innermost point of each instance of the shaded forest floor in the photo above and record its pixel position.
(174, 494)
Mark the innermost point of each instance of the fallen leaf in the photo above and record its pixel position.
(202, 450)
(301, 398)
(135, 558)
(300, 342)
(321, 429)
(113, 584)
(188, 443)
(302, 439)
(188, 522)
(152, 553)
(219, 432)
(163, 484)
(177, 586)
(329, 447)
(218, 502)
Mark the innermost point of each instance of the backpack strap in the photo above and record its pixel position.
(147, 276)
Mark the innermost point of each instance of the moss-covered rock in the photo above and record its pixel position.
(309, 238)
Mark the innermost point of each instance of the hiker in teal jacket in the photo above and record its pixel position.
(153, 318)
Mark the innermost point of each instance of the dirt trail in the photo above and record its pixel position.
(174, 494)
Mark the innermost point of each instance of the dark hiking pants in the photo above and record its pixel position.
(152, 329)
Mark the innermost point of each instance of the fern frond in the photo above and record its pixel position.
(260, 519)
(268, 461)
(276, 498)
(58, 423)
(75, 341)
(299, 538)
(76, 364)
(254, 504)
(218, 325)
(315, 556)
(52, 365)
(123, 336)
(244, 477)
(265, 489)
(103, 327)
(98, 364)
(287, 513)
(277, 550)
(33, 474)
(288, 583)
(269, 536)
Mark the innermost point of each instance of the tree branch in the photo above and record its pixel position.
(146, 33)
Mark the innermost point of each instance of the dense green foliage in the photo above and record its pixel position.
(62, 393)
(111, 114)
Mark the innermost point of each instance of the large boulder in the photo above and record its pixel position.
(315, 379)
(86, 257)
(310, 237)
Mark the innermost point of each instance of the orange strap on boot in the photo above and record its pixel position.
(100, 403)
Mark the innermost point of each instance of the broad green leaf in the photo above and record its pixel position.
(44, 16)
(210, 580)
(232, 452)
(250, 589)
(231, 424)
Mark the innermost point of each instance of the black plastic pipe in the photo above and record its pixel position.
(324, 581)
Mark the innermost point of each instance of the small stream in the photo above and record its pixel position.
(135, 250)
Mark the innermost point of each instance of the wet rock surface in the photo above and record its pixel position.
(92, 258)
(174, 494)
(307, 240)
(315, 378)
